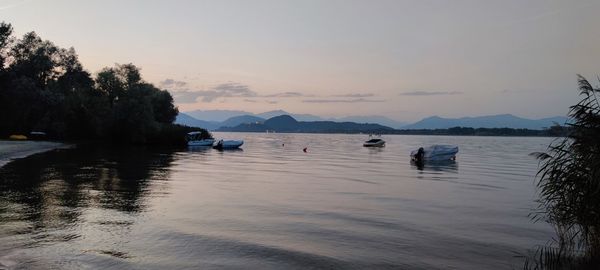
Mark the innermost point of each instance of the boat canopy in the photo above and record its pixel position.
(194, 133)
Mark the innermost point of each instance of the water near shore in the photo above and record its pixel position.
(10, 150)
(271, 206)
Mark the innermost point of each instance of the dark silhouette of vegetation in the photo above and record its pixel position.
(569, 183)
(45, 88)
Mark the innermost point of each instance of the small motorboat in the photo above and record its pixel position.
(374, 142)
(194, 139)
(228, 144)
(437, 152)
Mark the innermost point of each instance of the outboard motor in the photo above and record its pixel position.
(420, 155)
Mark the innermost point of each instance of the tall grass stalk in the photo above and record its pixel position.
(569, 187)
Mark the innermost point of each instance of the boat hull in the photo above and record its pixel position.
(222, 145)
(437, 153)
(206, 142)
(376, 144)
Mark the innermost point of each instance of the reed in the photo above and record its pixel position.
(569, 187)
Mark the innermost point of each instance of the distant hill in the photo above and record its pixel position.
(286, 123)
(223, 116)
(282, 123)
(491, 121)
(216, 115)
(271, 114)
(299, 117)
(214, 119)
(242, 119)
(382, 120)
(185, 119)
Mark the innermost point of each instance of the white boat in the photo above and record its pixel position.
(194, 139)
(374, 142)
(437, 152)
(228, 144)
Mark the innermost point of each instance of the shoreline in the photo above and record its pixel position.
(13, 150)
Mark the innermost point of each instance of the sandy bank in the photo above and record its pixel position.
(10, 150)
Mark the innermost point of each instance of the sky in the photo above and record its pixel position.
(402, 59)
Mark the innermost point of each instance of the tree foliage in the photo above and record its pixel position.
(45, 88)
(569, 179)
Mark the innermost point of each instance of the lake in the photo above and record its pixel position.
(272, 206)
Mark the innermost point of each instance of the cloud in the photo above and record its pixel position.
(219, 91)
(183, 95)
(170, 84)
(256, 101)
(431, 93)
(286, 94)
(356, 100)
(186, 96)
(358, 95)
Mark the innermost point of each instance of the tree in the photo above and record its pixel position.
(5, 39)
(139, 109)
(162, 104)
(45, 88)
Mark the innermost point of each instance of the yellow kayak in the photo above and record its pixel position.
(18, 137)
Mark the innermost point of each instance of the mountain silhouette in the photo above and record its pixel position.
(490, 121)
(286, 123)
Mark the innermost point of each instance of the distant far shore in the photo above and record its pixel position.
(556, 131)
(11, 150)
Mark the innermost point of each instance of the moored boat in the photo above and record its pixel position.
(437, 152)
(194, 138)
(374, 142)
(228, 144)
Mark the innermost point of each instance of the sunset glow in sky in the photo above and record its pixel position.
(401, 59)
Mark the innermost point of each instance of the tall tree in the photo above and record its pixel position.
(5, 38)
(162, 104)
(5, 97)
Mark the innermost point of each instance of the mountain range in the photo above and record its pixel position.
(218, 119)
(490, 121)
(286, 123)
(220, 116)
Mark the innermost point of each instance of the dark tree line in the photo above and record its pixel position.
(45, 88)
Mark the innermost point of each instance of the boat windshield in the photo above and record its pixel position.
(373, 140)
(194, 136)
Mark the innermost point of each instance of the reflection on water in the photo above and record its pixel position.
(439, 166)
(47, 196)
(199, 148)
(272, 206)
(116, 178)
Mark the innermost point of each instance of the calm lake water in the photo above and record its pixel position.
(338, 206)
